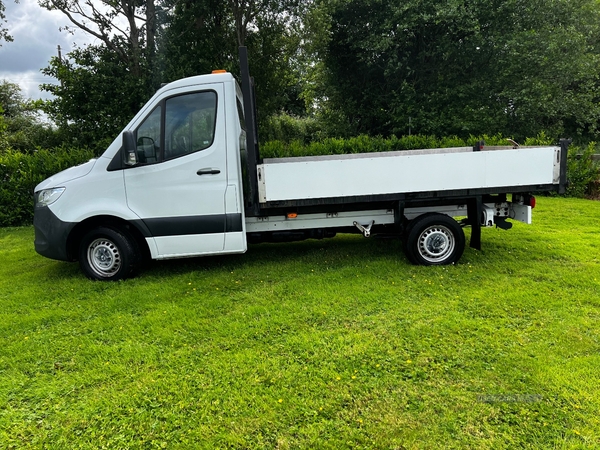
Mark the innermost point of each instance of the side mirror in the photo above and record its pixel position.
(129, 149)
(145, 141)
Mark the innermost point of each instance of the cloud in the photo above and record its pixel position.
(36, 33)
(29, 82)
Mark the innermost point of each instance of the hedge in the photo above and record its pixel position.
(367, 144)
(582, 171)
(20, 173)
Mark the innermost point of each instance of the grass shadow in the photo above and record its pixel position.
(344, 249)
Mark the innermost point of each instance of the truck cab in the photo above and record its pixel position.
(169, 185)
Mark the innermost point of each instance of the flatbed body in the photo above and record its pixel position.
(407, 172)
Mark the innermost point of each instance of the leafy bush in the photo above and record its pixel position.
(541, 139)
(25, 134)
(3, 139)
(582, 171)
(286, 128)
(20, 173)
(366, 144)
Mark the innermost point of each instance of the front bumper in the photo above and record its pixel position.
(51, 234)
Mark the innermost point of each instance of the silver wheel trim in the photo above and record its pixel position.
(104, 257)
(436, 244)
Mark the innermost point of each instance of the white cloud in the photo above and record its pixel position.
(36, 37)
(29, 81)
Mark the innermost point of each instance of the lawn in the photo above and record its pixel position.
(320, 344)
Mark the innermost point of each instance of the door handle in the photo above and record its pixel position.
(208, 171)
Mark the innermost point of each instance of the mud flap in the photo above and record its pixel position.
(474, 211)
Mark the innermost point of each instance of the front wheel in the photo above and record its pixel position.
(434, 239)
(109, 254)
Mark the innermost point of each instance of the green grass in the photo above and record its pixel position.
(320, 344)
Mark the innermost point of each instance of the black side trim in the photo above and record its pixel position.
(179, 226)
(233, 223)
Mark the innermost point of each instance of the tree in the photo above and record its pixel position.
(462, 66)
(195, 37)
(11, 99)
(3, 135)
(134, 44)
(4, 36)
(20, 125)
(198, 39)
(96, 97)
(273, 52)
(204, 35)
(103, 86)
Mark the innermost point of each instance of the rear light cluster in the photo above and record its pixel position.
(527, 200)
(531, 201)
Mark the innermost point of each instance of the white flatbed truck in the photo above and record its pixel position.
(185, 178)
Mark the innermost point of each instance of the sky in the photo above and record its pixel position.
(36, 35)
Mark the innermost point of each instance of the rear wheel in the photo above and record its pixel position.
(434, 239)
(109, 254)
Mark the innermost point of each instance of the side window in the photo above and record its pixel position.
(148, 138)
(189, 123)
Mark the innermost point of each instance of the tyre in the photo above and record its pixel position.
(109, 254)
(434, 239)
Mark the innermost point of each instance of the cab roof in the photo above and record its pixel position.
(198, 80)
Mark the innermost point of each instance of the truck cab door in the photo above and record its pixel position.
(178, 186)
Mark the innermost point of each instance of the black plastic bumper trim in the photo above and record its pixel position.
(51, 234)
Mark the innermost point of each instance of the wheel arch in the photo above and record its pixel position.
(136, 230)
